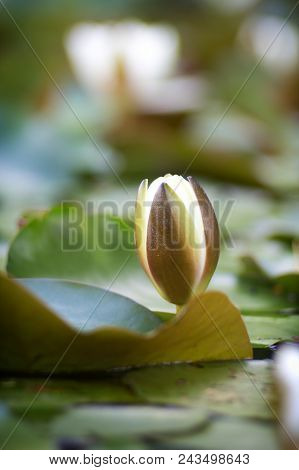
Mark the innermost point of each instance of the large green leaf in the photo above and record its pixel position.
(105, 247)
(43, 248)
(36, 338)
(85, 307)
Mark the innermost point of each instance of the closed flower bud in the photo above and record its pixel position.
(177, 236)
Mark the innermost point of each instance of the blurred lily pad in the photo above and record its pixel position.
(58, 393)
(233, 388)
(36, 338)
(113, 421)
(226, 432)
(275, 264)
(267, 330)
(270, 314)
(25, 435)
(260, 298)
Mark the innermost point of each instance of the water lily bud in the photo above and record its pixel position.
(177, 236)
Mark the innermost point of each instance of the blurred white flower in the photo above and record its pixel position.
(270, 38)
(286, 369)
(134, 60)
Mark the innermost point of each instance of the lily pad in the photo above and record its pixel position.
(105, 246)
(85, 307)
(234, 388)
(175, 406)
(267, 330)
(275, 264)
(35, 338)
(259, 298)
(223, 433)
(60, 393)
